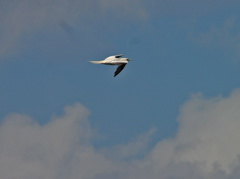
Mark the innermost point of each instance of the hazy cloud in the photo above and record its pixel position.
(224, 36)
(19, 18)
(194, 8)
(207, 145)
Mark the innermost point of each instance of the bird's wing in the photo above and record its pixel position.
(119, 69)
(118, 56)
(110, 58)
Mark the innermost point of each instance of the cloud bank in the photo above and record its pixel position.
(206, 145)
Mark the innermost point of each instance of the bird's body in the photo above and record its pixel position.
(114, 60)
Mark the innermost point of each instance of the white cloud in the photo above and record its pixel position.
(133, 149)
(59, 149)
(207, 145)
(207, 136)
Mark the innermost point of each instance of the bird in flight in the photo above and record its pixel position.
(114, 60)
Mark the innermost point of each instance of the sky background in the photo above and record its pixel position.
(172, 113)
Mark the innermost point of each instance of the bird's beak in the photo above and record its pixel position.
(130, 60)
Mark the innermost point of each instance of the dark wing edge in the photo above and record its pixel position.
(119, 69)
(118, 56)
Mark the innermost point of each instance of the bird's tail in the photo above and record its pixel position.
(96, 62)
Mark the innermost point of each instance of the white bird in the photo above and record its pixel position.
(114, 60)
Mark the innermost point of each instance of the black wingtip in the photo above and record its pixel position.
(118, 56)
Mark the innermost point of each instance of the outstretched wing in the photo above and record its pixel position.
(119, 69)
(118, 56)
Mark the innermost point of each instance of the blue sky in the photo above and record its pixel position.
(159, 114)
